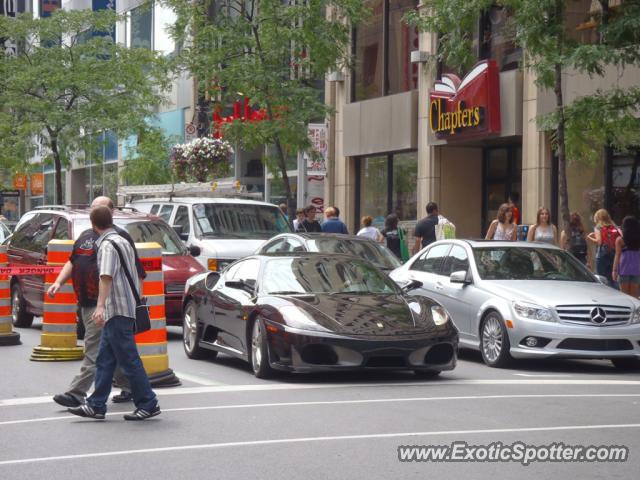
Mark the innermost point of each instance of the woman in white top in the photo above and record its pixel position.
(543, 231)
(368, 231)
(503, 227)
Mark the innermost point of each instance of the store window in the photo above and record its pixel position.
(387, 184)
(382, 47)
(140, 27)
(102, 179)
(50, 189)
(498, 38)
(625, 185)
(581, 20)
(278, 193)
(502, 177)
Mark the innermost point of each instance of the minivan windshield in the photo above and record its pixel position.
(142, 230)
(524, 263)
(238, 220)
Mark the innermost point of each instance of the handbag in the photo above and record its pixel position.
(142, 320)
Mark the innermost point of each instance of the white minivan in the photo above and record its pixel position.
(225, 229)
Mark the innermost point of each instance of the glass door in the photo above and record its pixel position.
(502, 174)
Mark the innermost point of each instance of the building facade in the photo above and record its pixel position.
(397, 141)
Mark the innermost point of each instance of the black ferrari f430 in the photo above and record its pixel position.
(303, 312)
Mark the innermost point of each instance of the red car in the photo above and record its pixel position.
(28, 246)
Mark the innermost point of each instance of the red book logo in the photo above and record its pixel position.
(467, 108)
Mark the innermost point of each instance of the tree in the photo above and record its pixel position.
(148, 162)
(70, 81)
(587, 125)
(272, 53)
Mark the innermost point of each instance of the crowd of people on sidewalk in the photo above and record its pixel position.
(617, 249)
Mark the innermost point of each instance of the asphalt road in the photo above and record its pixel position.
(225, 423)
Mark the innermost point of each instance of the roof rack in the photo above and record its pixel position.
(52, 207)
(222, 188)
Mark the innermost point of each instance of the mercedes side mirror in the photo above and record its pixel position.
(602, 279)
(412, 285)
(460, 277)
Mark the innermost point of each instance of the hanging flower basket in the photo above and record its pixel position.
(202, 159)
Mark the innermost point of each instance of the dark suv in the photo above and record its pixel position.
(28, 246)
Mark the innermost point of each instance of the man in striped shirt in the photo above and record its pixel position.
(115, 313)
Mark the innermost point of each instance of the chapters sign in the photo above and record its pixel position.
(467, 108)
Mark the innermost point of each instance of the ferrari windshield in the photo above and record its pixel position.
(324, 275)
(374, 252)
(524, 263)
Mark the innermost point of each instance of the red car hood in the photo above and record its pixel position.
(178, 268)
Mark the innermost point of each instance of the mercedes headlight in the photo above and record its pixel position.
(532, 311)
(439, 315)
(635, 318)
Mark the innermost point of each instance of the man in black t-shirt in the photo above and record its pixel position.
(426, 228)
(82, 268)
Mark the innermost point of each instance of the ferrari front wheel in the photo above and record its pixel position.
(260, 351)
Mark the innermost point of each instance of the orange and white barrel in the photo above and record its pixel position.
(152, 344)
(59, 338)
(7, 335)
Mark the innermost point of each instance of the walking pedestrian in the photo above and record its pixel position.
(368, 231)
(82, 268)
(543, 231)
(576, 241)
(299, 219)
(394, 237)
(604, 236)
(626, 264)
(333, 224)
(503, 227)
(309, 224)
(115, 314)
(426, 228)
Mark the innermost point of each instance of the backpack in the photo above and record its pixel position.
(609, 234)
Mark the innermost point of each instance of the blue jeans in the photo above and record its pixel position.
(117, 346)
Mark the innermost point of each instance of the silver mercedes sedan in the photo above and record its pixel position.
(525, 300)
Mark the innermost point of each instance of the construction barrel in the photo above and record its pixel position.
(7, 335)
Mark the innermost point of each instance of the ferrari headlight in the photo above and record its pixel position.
(439, 315)
(635, 318)
(298, 318)
(532, 311)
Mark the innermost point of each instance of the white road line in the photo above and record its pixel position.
(261, 387)
(252, 443)
(197, 379)
(540, 375)
(342, 402)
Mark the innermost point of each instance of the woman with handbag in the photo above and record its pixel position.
(395, 237)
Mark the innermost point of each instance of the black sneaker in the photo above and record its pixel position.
(86, 411)
(66, 400)
(142, 414)
(122, 397)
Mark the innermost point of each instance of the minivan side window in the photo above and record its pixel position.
(182, 219)
(154, 209)
(431, 261)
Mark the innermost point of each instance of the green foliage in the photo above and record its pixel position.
(67, 85)
(272, 52)
(148, 162)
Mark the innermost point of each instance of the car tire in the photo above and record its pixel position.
(427, 373)
(494, 341)
(260, 351)
(626, 363)
(191, 335)
(20, 317)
